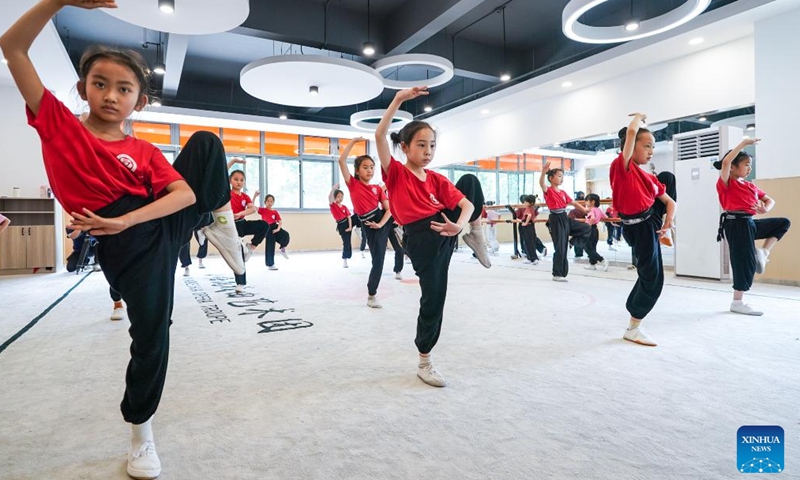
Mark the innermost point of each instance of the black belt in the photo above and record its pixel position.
(369, 215)
(343, 220)
(557, 211)
(636, 218)
(725, 216)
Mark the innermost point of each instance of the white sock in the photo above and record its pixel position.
(424, 361)
(142, 433)
(737, 302)
(634, 324)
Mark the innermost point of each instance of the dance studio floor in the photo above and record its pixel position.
(298, 379)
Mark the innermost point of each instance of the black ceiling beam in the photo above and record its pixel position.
(415, 21)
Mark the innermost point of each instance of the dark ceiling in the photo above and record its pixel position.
(467, 32)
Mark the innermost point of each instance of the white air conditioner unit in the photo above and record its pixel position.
(697, 252)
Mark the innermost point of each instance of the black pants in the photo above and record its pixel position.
(514, 229)
(281, 238)
(430, 255)
(399, 252)
(643, 239)
(256, 228)
(376, 239)
(347, 242)
(140, 262)
(591, 246)
(357, 224)
(528, 234)
(561, 228)
(741, 234)
(202, 251)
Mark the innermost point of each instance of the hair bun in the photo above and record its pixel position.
(718, 164)
(395, 137)
(622, 132)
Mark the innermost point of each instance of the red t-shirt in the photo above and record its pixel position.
(413, 199)
(556, 199)
(611, 213)
(365, 197)
(339, 212)
(239, 201)
(268, 215)
(87, 172)
(634, 190)
(529, 210)
(739, 195)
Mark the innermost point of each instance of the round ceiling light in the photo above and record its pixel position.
(310, 81)
(198, 17)
(368, 119)
(397, 61)
(581, 32)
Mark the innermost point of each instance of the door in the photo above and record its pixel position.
(13, 243)
(41, 246)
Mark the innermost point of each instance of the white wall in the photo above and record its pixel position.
(777, 70)
(685, 86)
(21, 159)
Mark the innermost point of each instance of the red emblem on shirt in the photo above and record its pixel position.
(127, 161)
(433, 200)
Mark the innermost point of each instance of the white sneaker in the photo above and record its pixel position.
(239, 288)
(527, 262)
(186, 272)
(761, 260)
(535, 262)
(272, 267)
(398, 276)
(631, 267)
(118, 314)
(590, 267)
(247, 252)
(430, 375)
(637, 335)
(372, 302)
(200, 262)
(228, 245)
(144, 462)
(283, 252)
(478, 247)
(559, 279)
(604, 264)
(745, 309)
(344, 262)
(201, 237)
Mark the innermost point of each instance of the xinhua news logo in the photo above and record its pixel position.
(760, 449)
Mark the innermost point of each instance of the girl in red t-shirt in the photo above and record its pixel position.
(344, 223)
(433, 212)
(275, 233)
(372, 207)
(741, 200)
(123, 191)
(641, 200)
(561, 225)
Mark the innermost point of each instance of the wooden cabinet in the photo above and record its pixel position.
(29, 243)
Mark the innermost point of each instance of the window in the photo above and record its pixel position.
(508, 193)
(360, 148)
(156, 133)
(283, 144)
(317, 181)
(241, 141)
(316, 146)
(283, 181)
(488, 184)
(187, 131)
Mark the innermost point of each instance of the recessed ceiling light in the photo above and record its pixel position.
(631, 26)
(428, 108)
(566, 84)
(702, 119)
(485, 111)
(313, 90)
(750, 127)
(155, 103)
(160, 69)
(696, 41)
(166, 6)
(556, 145)
(505, 77)
(283, 116)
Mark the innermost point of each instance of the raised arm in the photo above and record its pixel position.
(725, 171)
(17, 41)
(384, 154)
(343, 159)
(543, 176)
(630, 136)
(331, 198)
(580, 207)
(234, 161)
